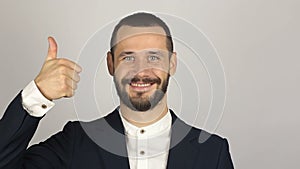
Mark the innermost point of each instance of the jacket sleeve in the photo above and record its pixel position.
(225, 161)
(16, 130)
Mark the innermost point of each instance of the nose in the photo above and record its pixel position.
(142, 67)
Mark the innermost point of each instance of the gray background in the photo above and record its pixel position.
(257, 41)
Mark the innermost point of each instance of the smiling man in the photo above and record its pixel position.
(141, 62)
(141, 133)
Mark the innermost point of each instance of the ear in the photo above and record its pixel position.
(110, 63)
(173, 63)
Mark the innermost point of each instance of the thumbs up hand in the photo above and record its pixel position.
(58, 77)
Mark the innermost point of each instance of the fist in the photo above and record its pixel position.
(58, 77)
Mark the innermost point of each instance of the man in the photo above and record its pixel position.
(141, 133)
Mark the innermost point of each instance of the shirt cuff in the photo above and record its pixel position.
(34, 102)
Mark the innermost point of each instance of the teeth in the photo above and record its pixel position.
(140, 84)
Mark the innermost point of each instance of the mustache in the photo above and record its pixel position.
(140, 79)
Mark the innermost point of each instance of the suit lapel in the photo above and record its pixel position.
(108, 134)
(113, 160)
(183, 152)
(183, 147)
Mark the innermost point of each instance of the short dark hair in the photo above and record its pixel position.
(141, 19)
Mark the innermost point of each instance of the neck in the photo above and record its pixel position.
(146, 118)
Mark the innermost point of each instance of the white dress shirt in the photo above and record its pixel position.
(147, 147)
(34, 102)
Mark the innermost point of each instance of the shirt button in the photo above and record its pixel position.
(142, 152)
(44, 106)
(142, 131)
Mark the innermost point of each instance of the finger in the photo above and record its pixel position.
(69, 93)
(68, 87)
(68, 83)
(70, 64)
(72, 84)
(52, 49)
(70, 73)
(75, 77)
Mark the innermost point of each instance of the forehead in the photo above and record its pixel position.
(141, 37)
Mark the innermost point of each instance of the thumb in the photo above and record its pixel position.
(52, 49)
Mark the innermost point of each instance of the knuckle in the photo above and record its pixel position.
(62, 69)
(62, 78)
(74, 85)
(76, 79)
(64, 87)
(62, 61)
(70, 93)
(67, 91)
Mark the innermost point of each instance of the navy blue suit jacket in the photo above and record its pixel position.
(100, 144)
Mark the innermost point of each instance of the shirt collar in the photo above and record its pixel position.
(148, 131)
(152, 140)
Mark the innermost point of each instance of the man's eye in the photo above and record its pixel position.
(128, 58)
(153, 58)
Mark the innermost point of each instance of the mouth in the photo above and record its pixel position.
(141, 86)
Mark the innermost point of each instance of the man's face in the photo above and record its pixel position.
(142, 66)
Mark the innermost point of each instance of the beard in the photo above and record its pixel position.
(140, 102)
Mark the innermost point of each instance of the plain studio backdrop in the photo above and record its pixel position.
(257, 42)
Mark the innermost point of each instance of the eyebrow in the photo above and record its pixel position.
(152, 52)
(126, 53)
